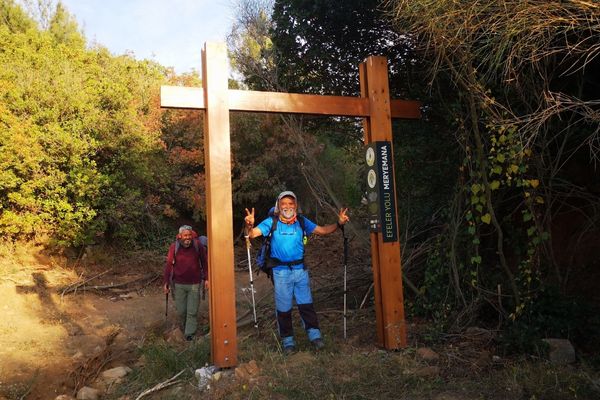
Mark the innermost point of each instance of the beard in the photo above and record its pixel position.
(288, 213)
(186, 242)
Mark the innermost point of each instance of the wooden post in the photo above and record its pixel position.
(219, 211)
(364, 91)
(385, 256)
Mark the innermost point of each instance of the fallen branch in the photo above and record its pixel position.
(366, 296)
(74, 286)
(151, 277)
(162, 385)
(13, 281)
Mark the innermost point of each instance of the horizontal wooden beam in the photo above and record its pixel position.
(182, 97)
(292, 103)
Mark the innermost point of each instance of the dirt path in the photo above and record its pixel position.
(44, 335)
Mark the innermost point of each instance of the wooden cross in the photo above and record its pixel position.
(374, 106)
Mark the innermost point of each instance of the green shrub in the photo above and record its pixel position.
(551, 315)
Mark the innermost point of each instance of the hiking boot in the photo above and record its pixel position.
(318, 344)
(189, 338)
(289, 350)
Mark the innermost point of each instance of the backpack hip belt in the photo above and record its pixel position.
(289, 264)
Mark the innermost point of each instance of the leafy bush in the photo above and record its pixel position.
(79, 134)
(551, 315)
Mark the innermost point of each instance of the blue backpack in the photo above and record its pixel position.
(264, 261)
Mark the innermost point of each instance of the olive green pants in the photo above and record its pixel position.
(186, 303)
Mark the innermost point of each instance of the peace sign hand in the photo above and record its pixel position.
(343, 217)
(249, 218)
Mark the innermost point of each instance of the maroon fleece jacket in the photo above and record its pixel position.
(190, 266)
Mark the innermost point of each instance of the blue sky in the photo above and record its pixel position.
(171, 32)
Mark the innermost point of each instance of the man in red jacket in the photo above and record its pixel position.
(185, 270)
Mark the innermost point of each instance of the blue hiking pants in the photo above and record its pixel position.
(293, 284)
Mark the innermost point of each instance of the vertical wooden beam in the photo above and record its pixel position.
(364, 91)
(217, 150)
(387, 271)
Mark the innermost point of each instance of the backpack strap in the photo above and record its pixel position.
(289, 264)
(302, 223)
(177, 246)
(273, 226)
(267, 241)
(196, 243)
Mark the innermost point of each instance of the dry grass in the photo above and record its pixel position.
(349, 370)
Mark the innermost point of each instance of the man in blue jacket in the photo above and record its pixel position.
(290, 277)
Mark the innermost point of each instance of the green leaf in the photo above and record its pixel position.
(545, 236)
(487, 218)
(494, 185)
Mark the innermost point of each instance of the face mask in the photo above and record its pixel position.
(288, 213)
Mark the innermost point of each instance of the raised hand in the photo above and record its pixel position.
(343, 217)
(249, 218)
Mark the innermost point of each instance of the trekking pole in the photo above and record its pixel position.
(345, 273)
(166, 306)
(251, 280)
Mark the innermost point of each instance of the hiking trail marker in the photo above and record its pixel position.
(374, 106)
